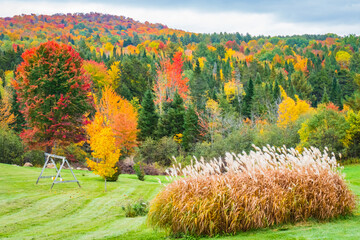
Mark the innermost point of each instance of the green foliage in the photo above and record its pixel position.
(139, 208)
(53, 95)
(301, 85)
(352, 139)
(139, 170)
(35, 157)
(198, 86)
(248, 100)
(171, 122)
(192, 129)
(319, 130)
(237, 141)
(161, 151)
(148, 118)
(11, 147)
(176, 115)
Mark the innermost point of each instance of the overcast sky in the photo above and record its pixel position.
(257, 17)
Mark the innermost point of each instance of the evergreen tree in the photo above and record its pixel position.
(301, 85)
(325, 98)
(192, 129)
(335, 95)
(276, 93)
(258, 78)
(148, 118)
(171, 122)
(15, 109)
(198, 87)
(247, 102)
(176, 115)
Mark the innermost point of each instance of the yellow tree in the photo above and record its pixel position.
(290, 110)
(343, 58)
(112, 132)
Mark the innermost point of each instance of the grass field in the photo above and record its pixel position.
(30, 211)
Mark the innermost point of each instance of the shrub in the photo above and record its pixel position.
(126, 166)
(140, 208)
(261, 189)
(115, 176)
(161, 151)
(11, 147)
(326, 128)
(35, 157)
(139, 170)
(238, 141)
(152, 169)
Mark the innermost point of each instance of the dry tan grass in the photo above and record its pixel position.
(255, 190)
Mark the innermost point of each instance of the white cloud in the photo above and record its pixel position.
(185, 19)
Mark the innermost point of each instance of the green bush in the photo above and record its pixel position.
(140, 208)
(139, 170)
(35, 157)
(326, 128)
(277, 136)
(11, 147)
(161, 151)
(237, 142)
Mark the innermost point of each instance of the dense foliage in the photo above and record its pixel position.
(53, 93)
(201, 90)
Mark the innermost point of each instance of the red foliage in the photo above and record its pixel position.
(332, 106)
(53, 92)
(170, 80)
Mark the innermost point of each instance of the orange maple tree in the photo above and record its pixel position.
(112, 132)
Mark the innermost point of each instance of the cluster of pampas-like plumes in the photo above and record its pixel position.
(247, 191)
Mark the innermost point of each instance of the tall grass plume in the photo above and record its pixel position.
(266, 187)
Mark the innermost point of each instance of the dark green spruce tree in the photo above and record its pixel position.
(148, 118)
(171, 122)
(198, 86)
(276, 93)
(335, 94)
(176, 115)
(325, 97)
(247, 102)
(192, 129)
(19, 123)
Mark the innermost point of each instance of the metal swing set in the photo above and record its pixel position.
(50, 158)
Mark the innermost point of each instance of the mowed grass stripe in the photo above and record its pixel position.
(91, 213)
(88, 210)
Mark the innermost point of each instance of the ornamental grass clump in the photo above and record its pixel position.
(266, 187)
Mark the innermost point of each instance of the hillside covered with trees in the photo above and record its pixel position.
(189, 94)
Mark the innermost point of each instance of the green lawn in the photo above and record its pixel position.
(30, 211)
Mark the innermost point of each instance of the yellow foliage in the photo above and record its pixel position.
(114, 74)
(102, 142)
(290, 110)
(211, 48)
(353, 132)
(6, 117)
(221, 75)
(212, 106)
(178, 137)
(201, 62)
(343, 58)
(113, 129)
(301, 64)
(229, 53)
(232, 89)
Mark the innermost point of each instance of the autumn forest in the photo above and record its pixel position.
(118, 96)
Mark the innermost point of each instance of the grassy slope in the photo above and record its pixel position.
(29, 211)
